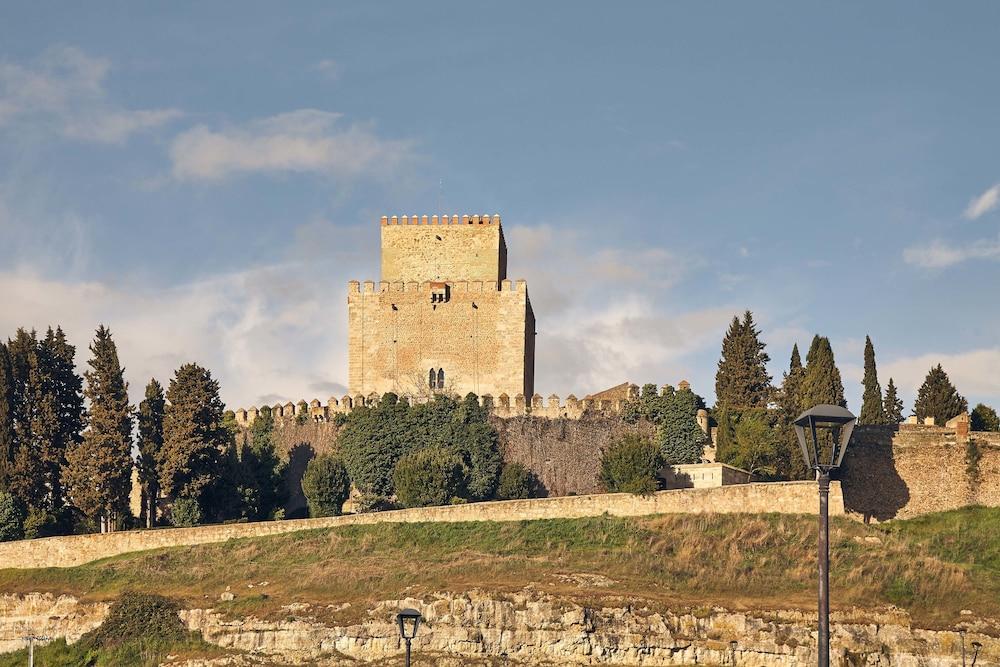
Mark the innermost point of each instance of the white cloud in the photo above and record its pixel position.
(975, 373)
(984, 203)
(940, 254)
(602, 310)
(306, 140)
(64, 87)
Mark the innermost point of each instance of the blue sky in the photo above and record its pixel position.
(205, 177)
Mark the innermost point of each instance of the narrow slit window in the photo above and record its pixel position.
(433, 377)
(440, 383)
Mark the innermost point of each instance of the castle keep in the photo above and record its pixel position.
(444, 316)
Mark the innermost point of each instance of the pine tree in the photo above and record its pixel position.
(821, 383)
(98, 471)
(150, 420)
(6, 417)
(193, 434)
(742, 380)
(893, 405)
(872, 408)
(984, 418)
(938, 398)
(682, 439)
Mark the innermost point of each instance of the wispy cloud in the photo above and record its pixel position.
(975, 373)
(984, 203)
(940, 254)
(267, 332)
(65, 88)
(306, 140)
(330, 69)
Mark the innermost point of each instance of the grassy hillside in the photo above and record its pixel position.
(934, 566)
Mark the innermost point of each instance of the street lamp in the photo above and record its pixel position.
(31, 639)
(408, 621)
(824, 454)
(975, 652)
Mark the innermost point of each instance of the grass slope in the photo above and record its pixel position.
(934, 566)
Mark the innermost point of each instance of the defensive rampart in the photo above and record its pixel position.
(897, 472)
(502, 406)
(785, 497)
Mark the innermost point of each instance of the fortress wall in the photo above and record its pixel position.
(909, 470)
(786, 497)
(468, 247)
(563, 453)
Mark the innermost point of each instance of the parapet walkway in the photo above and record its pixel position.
(782, 497)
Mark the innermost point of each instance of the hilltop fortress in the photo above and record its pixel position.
(444, 317)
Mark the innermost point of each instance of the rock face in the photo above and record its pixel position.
(45, 615)
(535, 629)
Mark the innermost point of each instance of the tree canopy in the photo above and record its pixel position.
(742, 380)
(938, 398)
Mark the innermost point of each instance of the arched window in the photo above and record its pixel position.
(431, 379)
(440, 378)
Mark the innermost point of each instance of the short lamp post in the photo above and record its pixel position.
(408, 621)
(824, 455)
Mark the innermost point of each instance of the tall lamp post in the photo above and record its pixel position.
(408, 621)
(823, 455)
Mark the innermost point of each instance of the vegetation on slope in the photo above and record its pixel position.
(933, 567)
(140, 631)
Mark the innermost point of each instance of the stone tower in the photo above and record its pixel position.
(444, 316)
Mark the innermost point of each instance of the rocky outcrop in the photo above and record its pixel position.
(45, 615)
(531, 628)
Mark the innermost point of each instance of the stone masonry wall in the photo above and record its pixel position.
(563, 453)
(787, 497)
(422, 248)
(905, 471)
(476, 333)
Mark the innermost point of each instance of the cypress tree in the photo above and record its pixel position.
(193, 434)
(682, 439)
(789, 461)
(39, 457)
(821, 383)
(6, 416)
(98, 471)
(150, 419)
(893, 405)
(938, 398)
(872, 409)
(742, 380)
(264, 468)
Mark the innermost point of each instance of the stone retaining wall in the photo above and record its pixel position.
(784, 497)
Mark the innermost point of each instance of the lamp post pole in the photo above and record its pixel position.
(407, 652)
(824, 567)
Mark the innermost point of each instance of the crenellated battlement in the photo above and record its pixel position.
(503, 406)
(473, 286)
(483, 219)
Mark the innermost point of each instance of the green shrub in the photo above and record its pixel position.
(138, 616)
(39, 523)
(375, 438)
(631, 466)
(11, 518)
(326, 486)
(186, 512)
(301, 413)
(430, 476)
(516, 482)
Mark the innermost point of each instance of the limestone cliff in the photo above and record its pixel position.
(530, 628)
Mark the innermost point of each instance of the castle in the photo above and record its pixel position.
(444, 316)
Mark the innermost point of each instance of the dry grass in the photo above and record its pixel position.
(933, 567)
